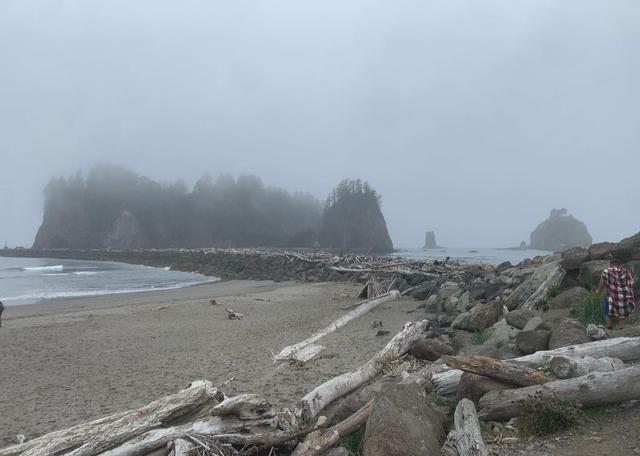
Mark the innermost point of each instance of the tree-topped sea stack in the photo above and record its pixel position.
(560, 231)
(353, 220)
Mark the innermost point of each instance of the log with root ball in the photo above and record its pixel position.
(505, 371)
(467, 433)
(597, 388)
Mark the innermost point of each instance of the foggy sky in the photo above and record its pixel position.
(472, 118)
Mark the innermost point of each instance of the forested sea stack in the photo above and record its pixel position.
(353, 219)
(560, 231)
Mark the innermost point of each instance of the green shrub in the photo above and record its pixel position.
(480, 336)
(353, 442)
(552, 293)
(546, 415)
(590, 310)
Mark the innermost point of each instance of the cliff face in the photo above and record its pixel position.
(560, 231)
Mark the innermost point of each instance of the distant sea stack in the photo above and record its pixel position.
(353, 220)
(430, 240)
(560, 231)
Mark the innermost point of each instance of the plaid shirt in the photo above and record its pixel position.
(621, 298)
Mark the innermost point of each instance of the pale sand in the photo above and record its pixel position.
(66, 362)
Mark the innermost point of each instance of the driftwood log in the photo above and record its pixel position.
(625, 348)
(577, 366)
(446, 383)
(318, 443)
(323, 395)
(100, 435)
(468, 436)
(598, 388)
(542, 293)
(505, 371)
(288, 352)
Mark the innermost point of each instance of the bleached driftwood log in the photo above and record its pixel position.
(323, 395)
(319, 443)
(625, 348)
(180, 447)
(597, 388)
(245, 407)
(362, 309)
(468, 436)
(505, 371)
(308, 353)
(233, 315)
(541, 294)
(446, 383)
(100, 435)
(577, 366)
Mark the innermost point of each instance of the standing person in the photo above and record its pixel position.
(1, 310)
(620, 298)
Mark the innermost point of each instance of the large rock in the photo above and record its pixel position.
(519, 317)
(628, 249)
(528, 342)
(424, 290)
(430, 349)
(402, 423)
(530, 285)
(569, 299)
(560, 231)
(591, 272)
(482, 316)
(573, 258)
(502, 334)
(569, 332)
(601, 250)
(430, 240)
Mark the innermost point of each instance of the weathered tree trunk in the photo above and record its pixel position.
(577, 366)
(100, 435)
(362, 309)
(306, 354)
(315, 446)
(468, 436)
(598, 388)
(625, 348)
(245, 407)
(320, 397)
(541, 294)
(180, 447)
(500, 370)
(446, 383)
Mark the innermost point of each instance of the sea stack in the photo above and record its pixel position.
(559, 232)
(430, 240)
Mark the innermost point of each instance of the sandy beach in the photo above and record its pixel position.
(66, 362)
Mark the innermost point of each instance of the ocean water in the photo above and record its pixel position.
(30, 280)
(471, 255)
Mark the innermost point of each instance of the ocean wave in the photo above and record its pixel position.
(87, 273)
(89, 293)
(58, 267)
(56, 274)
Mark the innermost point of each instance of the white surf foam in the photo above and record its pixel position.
(86, 273)
(58, 267)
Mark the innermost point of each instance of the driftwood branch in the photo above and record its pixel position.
(362, 309)
(577, 366)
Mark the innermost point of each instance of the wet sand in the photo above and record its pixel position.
(70, 361)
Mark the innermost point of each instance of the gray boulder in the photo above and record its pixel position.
(591, 271)
(430, 349)
(424, 290)
(402, 423)
(519, 317)
(573, 258)
(536, 323)
(503, 267)
(628, 249)
(569, 299)
(447, 291)
(569, 332)
(502, 334)
(601, 251)
(482, 316)
(528, 342)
